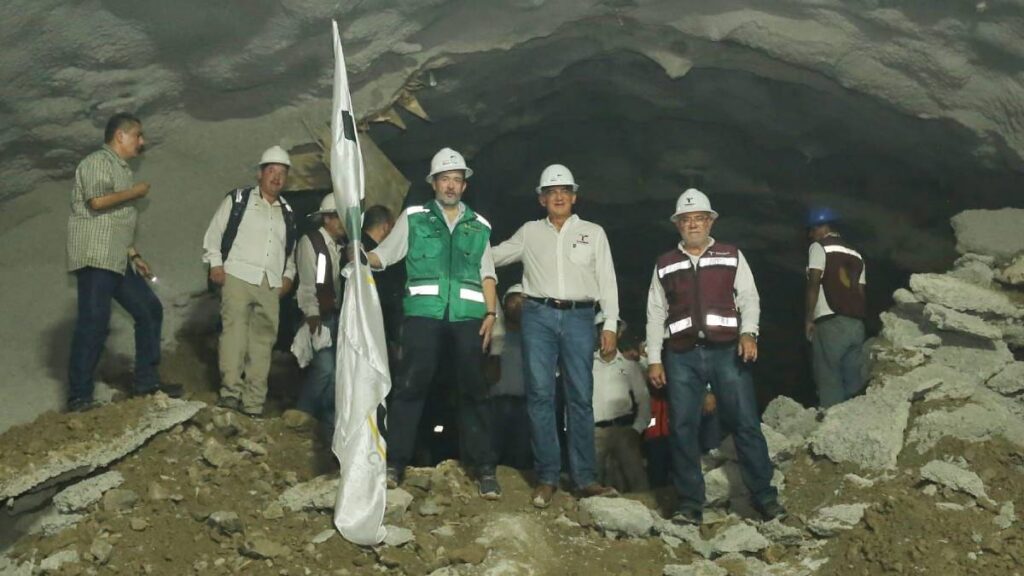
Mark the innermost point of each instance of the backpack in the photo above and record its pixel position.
(239, 202)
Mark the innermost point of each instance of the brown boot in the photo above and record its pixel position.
(596, 489)
(542, 495)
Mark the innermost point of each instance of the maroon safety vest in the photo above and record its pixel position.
(701, 299)
(841, 279)
(324, 290)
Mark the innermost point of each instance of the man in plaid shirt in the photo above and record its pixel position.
(102, 255)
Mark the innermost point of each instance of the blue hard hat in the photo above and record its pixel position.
(821, 215)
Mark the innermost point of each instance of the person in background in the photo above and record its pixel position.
(249, 247)
(504, 369)
(107, 267)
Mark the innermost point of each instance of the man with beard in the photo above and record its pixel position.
(450, 293)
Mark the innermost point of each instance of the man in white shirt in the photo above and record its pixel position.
(622, 410)
(319, 296)
(567, 273)
(704, 308)
(249, 247)
(835, 308)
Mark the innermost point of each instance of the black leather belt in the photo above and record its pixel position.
(626, 420)
(563, 304)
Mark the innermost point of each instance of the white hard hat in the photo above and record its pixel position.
(556, 175)
(693, 200)
(327, 206)
(275, 155)
(513, 289)
(447, 159)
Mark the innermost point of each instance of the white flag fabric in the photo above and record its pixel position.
(361, 380)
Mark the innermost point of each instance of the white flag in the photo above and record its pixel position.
(361, 379)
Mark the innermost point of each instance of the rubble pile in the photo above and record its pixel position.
(917, 475)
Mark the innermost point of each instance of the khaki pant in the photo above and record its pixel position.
(249, 314)
(620, 463)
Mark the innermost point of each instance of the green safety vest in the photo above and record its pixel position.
(442, 267)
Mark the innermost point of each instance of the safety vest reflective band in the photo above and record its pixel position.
(700, 298)
(841, 278)
(326, 297)
(443, 266)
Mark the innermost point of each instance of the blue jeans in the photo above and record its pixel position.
(837, 355)
(565, 338)
(96, 289)
(688, 374)
(317, 397)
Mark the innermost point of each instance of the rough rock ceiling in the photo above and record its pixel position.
(954, 65)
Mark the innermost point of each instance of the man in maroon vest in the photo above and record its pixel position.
(834, 310)
(319, 264)
(702, 321)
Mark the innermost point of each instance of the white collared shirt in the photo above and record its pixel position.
(617, 384)
(748, 303)
(574, 263)
(259, 246)
(309, 272)
(396, 245)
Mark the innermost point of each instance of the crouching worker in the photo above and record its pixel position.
(319, 295)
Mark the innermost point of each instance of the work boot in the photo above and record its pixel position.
(489, 487)
(81, 405)
(542, 495)
(595, 489)
(394, 477)
(687, 517)
(771, 510)
(171, 390)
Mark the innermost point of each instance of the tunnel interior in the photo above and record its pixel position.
(763, 139)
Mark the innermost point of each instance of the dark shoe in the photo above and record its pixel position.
(772, 510)
(229, 403)
(595, 489)
(171, 390)
(686, 517)
(394, 476)
(542, 495)
(81, 405)
(489, 487)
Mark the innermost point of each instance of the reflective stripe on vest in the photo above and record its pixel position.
(426, 290)
(716, 320)
(731, 262)
(474, 295)
(321, 268)
(679, 325)
(843, 250)
(682, 265)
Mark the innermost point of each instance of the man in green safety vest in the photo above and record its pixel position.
(450, 291)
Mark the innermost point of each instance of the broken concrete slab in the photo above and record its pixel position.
(984, 416)
(866, 431)
(780, 447)
(689, 534)
(696, 568)
(397, 502)
(955, 478)
(1013, 274)
(740, 538)
(163, 415)
(963, 296)
(1009, 381)
(80, 496)
(833, 519)
(55, 561)
(1006, 516)
(781, 534)
(619, 515)
(996, 233)
(950, 320)
(396, 536)
(319, 493)
(979, 363)
(974, 268)
(904, 333)
(119, 500)
(789, 418)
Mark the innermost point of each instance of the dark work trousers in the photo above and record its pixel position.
(422, 340)
(511, 432)
(96, 289)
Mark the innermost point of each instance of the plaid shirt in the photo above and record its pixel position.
(100, 239)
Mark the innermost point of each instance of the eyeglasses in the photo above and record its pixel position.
(695, 219)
